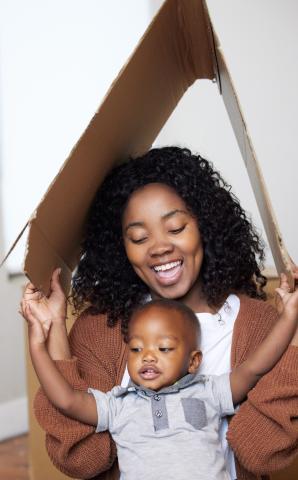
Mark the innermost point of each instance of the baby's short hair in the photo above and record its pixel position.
(167, 304)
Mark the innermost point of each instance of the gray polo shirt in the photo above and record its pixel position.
(169, 434)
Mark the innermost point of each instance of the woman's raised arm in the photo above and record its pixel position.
(264, 432)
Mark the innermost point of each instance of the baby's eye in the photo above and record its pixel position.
(135, 349)
(177, 230)
(165, 349)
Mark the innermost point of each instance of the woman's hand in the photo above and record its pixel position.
(42, 312)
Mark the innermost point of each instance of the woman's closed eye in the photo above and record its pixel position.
(138, 240)
(175, 231)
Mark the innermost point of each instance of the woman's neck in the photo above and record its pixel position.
(195, 300)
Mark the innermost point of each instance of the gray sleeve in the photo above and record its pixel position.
(222, 392)
(105, 409)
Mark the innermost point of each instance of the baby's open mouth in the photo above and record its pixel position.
(149, 372)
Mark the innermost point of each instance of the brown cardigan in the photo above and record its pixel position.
(263, 433)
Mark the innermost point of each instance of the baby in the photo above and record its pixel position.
(165, 423)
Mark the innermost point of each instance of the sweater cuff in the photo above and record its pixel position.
(69, 370)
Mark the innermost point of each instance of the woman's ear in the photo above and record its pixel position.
(194, 361)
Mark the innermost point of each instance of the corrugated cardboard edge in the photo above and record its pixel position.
(14, 244)
(45, 253)
(281, 257)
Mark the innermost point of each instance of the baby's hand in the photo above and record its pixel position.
(38, 330)
(287, 301)
(40, 311)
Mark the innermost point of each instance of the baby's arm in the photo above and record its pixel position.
(73, 403)
(268, 353)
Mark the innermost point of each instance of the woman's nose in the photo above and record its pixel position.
(159, 247)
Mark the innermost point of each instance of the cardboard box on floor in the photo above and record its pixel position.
(179, 47)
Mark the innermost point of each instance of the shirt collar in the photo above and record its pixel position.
(183, 382)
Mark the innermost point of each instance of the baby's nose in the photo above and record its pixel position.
(149, 356)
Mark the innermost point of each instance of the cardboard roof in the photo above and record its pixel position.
(179, 47)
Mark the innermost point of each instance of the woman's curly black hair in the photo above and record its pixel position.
(233, 251)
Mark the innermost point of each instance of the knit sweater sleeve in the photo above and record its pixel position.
(264, 432)
(73, 447)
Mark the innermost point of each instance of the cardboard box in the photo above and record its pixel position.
(179, 47)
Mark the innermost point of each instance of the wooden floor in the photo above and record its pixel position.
(14, 459)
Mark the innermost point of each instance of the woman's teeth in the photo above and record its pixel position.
(168, 272)
(166, 266)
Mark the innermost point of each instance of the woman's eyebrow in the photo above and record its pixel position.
(164, 217)
(173, 212)
(134, 224)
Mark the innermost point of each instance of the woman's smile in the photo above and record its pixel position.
(168, 273)
(163, 243)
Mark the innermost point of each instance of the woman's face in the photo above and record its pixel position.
(163, 243)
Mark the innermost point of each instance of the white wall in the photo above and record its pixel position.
(13, 401)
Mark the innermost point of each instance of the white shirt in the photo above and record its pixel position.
(216, 342)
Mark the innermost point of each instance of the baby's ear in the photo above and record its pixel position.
(194, 361)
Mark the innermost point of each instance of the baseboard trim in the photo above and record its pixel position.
(13, 418)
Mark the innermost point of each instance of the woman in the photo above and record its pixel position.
(166, 225)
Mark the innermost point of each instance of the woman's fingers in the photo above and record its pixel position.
(295, 273)
(281, 292)
(294, 270)
(32, 293)
(55, 283)
(284, 286)
(285, 298)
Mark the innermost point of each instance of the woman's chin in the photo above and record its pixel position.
(171, 292)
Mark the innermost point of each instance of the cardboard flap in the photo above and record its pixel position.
(173, 53)
(279, 252)
(46, 255)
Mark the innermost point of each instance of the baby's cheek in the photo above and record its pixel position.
(131, 366)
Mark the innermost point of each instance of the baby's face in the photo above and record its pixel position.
(161, 348)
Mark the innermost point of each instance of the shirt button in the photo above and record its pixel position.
(156, 397)
(158, 413)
